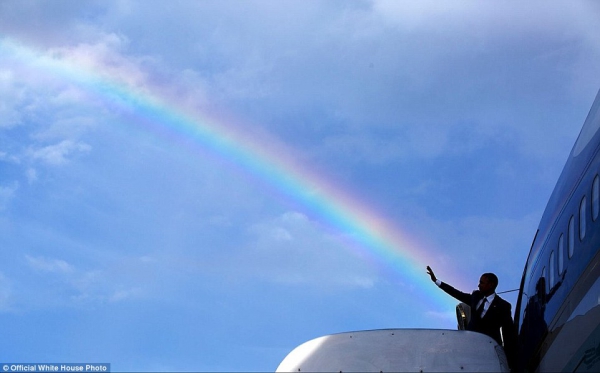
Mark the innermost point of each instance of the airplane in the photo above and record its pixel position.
(557, 316)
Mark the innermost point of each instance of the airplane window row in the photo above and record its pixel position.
(556, 267)
(553, 262)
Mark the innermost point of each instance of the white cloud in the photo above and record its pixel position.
(31, 175)
(122, 295)
(41, 264)
(58, 154)
(9, 117)
(5, 157)
(7, 193)
(104, 57)
(9, 114)
(74, 287)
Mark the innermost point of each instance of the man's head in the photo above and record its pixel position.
(488, 283)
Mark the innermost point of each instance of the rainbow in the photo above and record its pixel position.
(361, 228)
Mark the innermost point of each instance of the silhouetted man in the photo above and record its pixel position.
(489, 312)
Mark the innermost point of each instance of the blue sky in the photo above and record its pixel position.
(129, 243)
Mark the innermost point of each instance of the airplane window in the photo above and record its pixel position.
(544, 277)
(571, 236)
(561, 253)
(595, 198)
(551, 268)
(582, 219)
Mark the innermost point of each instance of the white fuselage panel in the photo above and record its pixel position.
(398, 350)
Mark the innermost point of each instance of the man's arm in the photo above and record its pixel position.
(463, 297)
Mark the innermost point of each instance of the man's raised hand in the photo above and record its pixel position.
(430, 273)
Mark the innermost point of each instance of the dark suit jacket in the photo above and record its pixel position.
(497, 316)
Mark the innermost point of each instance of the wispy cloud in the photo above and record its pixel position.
(42, 264)
(69, 286)
(58, 154)
(7, 193)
